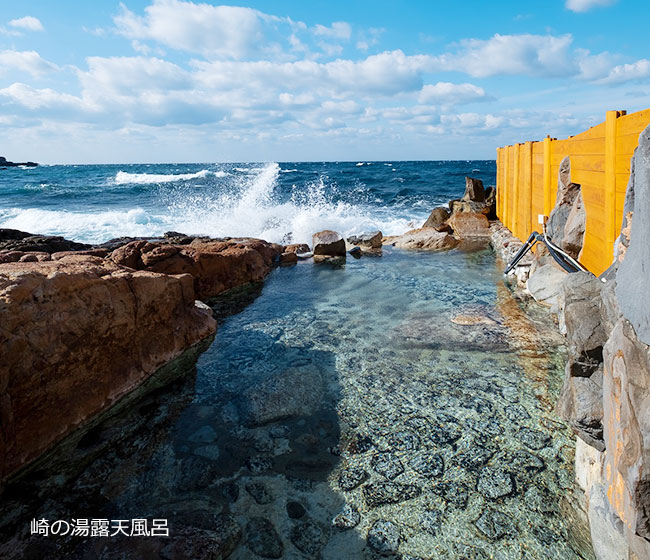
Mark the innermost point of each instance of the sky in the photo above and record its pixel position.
(178, 81)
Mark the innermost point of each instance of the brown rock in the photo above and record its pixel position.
(89, 252)
(367, 240)
(474, 190)
(297, 248)
(468, 225)
(216, 266)
(328, 243)
(76, 335)
(288, 258)
(422, 238)
(437, 218)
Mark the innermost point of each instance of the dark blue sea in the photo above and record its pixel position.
(279, 202)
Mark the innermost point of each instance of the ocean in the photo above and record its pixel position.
(278, 202)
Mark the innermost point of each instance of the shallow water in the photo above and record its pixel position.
(410, 393)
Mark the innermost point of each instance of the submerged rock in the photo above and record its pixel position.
(495, 482)
(427, 464)
(308, 538)
(387, 465)
(348, 518)
(381, 493)
(495, 524)
(263, 539)
(290, 393)
(384, 537)
(351, 477)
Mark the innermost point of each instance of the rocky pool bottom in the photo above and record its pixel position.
(400, 406)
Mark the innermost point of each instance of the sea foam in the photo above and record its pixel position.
(124, 178)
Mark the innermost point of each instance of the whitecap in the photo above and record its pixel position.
(125, 178)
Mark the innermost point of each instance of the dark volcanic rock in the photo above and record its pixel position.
(495, 482)
(263, 539)
(454, 493)
(430, 521)
(534, 439)
(352, 477)
(348, 518)
(259, 492)
(495, 524)
(473, 458)
(14, 240)
(405, 441)
(427, 464)
(5, 163)
(308, 538)
(387, 465)
(381, 493)
(445, 429)
(384, 537)
(295, 510)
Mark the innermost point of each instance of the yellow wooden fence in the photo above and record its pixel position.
(527, 178)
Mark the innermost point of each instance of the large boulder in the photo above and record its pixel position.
(474, 190)
(632, 276)
(76, 335)
(328, 243)
(216, 266)
(469, 225)
(544, 284)
(437, 218)
(422, 238)
(566, 222)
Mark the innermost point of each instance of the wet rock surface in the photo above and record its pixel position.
(350, 418)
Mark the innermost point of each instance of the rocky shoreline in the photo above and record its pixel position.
(605, 395)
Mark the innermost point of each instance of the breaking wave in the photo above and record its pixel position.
(124, 178)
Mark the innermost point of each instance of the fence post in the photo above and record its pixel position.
(547, 175)
(528, 189)
(516, 216)
(610, 183)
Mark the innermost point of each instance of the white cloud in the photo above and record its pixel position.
(25, 61)
(638, 70)
(446, 93)
(338, 30)
(586, 5)
(214, 31)
(524, 54)
(28, 23)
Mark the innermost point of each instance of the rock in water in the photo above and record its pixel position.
(297, 248)
(474, 190)
(263, 539)
(423, 238)
(293, 392)
(437, 218)
(384, 537)
(469, 225)
(371, 240)
(328, 243)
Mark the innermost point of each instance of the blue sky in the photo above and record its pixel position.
(169, 80)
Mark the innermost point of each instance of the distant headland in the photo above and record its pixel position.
(5, 163)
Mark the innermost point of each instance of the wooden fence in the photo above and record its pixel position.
(527, 178)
